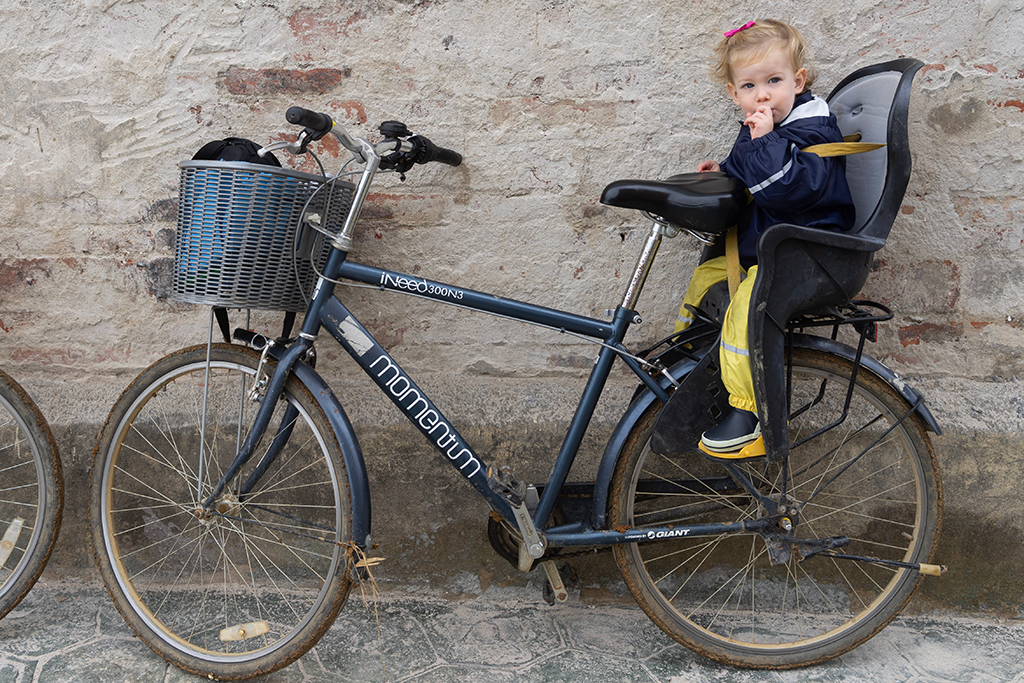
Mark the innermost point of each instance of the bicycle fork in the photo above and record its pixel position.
(268, 402)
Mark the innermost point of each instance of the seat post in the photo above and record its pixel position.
(643, 266)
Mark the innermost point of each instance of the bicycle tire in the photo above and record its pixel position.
(251, 587)
(31, 493)
(721, 596)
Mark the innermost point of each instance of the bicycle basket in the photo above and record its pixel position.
(241, 241)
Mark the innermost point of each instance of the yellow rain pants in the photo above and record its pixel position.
(734, 350)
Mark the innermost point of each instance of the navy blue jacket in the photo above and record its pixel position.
(789, 186)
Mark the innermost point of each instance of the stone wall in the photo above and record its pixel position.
(548, 101)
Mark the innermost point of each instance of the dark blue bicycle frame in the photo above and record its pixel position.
(328, 313)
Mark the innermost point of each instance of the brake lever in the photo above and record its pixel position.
(292, 147)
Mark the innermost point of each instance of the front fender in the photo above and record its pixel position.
(351, 453)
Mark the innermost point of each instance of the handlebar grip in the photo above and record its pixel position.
(431, 152)
(320, 124)
(448, 156)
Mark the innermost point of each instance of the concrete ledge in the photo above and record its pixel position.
(431, 526)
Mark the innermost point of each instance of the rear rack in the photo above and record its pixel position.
(853, 313)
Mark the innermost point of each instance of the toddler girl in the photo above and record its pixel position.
(764, 67)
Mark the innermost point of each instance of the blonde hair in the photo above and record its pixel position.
(754, 43)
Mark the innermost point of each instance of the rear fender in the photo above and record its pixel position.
(645, 398)
(908, 392)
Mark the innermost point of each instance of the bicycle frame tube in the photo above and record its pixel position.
(410, 399)
(477, 301)
(386, 373)
(327, 312)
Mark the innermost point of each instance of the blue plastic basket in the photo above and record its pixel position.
(241, 241)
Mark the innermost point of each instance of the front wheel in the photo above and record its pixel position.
(249, 584)
(872, 479)
(31, 493)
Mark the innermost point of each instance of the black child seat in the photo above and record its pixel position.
(800, 270)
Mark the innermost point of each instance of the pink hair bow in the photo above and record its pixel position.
(730, 34)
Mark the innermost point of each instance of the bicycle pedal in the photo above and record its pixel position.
(504, 483)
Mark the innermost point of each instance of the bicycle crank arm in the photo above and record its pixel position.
(506, 485)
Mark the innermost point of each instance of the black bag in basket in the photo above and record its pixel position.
(235, 149)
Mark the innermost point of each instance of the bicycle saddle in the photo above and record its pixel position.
(705, 202)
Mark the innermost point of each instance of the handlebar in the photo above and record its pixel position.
(398, 151)
(428, 152)
(405, 148)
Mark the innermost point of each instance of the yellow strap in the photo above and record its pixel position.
(851, 144)
(841, 149)
(732, 261)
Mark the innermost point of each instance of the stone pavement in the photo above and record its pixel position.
(68, 630)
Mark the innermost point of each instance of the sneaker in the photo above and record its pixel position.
(739, 428)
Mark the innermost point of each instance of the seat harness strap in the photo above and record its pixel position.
(839, 149)
(732, 261)
(851, 144)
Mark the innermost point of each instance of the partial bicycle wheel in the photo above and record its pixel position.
(31, 493)
(873, 478)
(248, 586)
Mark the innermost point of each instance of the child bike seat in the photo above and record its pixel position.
(802, 269)
(704, 202)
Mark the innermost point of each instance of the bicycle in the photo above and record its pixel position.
(229, 497)
(31, 493)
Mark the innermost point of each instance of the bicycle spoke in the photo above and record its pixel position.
(863, 480)
(247, 573)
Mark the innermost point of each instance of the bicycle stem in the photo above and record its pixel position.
(344, 239)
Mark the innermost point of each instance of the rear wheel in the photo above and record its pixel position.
(869, 479)
(245, 587)
(31, 493)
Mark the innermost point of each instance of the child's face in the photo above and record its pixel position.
(771, 82)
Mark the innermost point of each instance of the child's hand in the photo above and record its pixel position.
(760, 122)
(708, 165)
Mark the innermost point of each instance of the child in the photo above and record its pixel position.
(763, 65)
